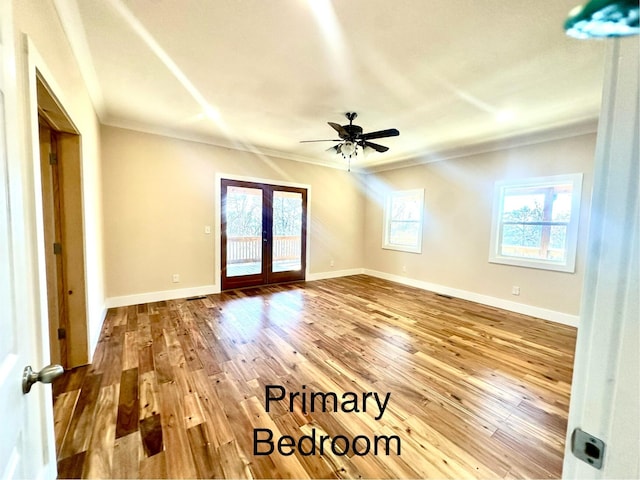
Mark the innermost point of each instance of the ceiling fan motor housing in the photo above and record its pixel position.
(353, 131)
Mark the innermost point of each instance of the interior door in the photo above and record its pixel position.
(263, 233)
(13, 348)
(26, 421)
(53, 235)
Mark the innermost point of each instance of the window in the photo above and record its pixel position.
(535, 222)
(403, 221)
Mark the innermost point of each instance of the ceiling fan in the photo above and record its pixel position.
(351, 137)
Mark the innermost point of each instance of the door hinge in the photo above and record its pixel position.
(62, 333)
(587, 448)
(53, 158)
(57, 248)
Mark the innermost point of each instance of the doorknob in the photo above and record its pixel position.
(46, 375)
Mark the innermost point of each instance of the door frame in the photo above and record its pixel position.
(71, 260)
(218, 218)
(605, 386)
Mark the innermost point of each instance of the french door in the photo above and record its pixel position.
(264, 230)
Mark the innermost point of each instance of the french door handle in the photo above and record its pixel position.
(46, 375)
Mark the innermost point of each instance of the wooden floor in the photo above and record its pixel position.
(178, 388)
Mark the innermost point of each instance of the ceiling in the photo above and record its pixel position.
(262, 75)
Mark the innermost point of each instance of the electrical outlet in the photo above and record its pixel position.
(175, 278)
(404, 269)
(207, 229)
(332, 263)
(515, 290)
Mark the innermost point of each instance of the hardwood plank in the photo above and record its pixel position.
(71, 467)
(149, 395)
(180, 463)
(65, 405)
(128, 405)
(205, 454)
(154, 467)
(130, 350)
(81, 425)
(151, 434)
(126, 456)
(234, 464)
(145, 359)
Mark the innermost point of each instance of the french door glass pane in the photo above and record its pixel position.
(287, 231)
(244, 231)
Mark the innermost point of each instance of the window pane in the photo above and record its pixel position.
(562, 207)
(404, 233)
(287, 231)
(403, 221)
(406, 207)
(558, 243)
(244, 231)
(522, 240)
(523, 208)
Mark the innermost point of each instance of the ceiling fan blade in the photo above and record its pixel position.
(335, 148)
(341, 131)
(309, 141)
(375, 146)
(391, 132)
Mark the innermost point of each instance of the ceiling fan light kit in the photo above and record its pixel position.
(351, 137)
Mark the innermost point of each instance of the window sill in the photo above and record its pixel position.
(403, 248)
(538, 264)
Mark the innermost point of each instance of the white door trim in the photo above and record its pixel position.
(605, 387)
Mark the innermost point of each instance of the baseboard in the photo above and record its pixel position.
(545, 314)
(139, 298)
(334, 274)
(95, 333)
(136, 299)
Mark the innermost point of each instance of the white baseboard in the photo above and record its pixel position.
(139, 298)
(545, 314)
(95, 333)
(334, 274)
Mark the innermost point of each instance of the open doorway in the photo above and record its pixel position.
(61, 180)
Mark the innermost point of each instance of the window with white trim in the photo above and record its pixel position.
(535, 222)
(403, 215)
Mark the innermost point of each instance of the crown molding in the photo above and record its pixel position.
(521, 139)
(216, 142)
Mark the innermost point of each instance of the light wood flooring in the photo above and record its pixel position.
(177, 388)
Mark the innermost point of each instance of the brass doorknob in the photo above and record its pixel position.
(46, 375)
